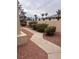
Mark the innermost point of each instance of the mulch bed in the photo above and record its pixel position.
(56, 38)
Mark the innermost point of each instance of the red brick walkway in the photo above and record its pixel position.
(30, 50)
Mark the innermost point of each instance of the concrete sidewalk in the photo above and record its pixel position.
(53, 51)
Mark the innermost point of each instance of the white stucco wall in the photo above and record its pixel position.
(53, 23)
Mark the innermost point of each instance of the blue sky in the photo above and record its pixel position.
(40, 6)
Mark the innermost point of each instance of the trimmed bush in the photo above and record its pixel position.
(23, 23)
(41, 27)
(50, 30)
(34, 26)
(31, 23)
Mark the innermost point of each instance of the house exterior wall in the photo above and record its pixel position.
(53, 23)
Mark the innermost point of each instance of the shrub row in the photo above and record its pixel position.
(39, 27)
(42, 28)
(31, 23)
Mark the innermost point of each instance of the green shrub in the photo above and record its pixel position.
(23, 23)
(34, 26)
(50, 30)
(41, 27)
(31, 23)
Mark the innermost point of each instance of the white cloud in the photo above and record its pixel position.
(41, 6)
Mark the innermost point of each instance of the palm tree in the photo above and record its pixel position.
(35, 17)
(58, 14)
(42, 15)
(46, 15)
